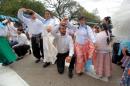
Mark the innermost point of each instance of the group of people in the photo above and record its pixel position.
(121, 56)
(61, 43)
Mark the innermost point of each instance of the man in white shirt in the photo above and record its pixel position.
(23, 44)
(36, 31)
(64, 44)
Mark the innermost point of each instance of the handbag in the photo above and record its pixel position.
(89, 67)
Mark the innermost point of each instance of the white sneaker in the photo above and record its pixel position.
(92, 75)
(104, 79)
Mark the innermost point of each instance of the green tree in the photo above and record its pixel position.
(10, 7)
(82, 12)
(61, 7)
(69, 8)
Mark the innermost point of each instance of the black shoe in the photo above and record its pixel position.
(119, 63)
(60, 70)
(56, 62)
(42, 56)
(30, 52)
(80, 73)
(122, 67)
(6, 64)
(112, 36)
(46, 64)
(19, 58)
(70, 74)
(37, 61)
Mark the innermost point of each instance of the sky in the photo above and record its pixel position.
(104, 7)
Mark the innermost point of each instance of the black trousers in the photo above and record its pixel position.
(61, 62)
(37, 46)
(115, 56)
(21, 50)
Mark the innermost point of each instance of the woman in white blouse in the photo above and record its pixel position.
(23, 44)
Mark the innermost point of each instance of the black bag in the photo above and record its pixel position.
(115, 55)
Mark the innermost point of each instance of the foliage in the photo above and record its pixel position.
(10, 7)
(60, 8)
(69, 8)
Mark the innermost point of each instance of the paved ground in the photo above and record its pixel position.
(9, 77)
(35, 75)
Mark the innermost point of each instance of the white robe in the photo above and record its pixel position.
(50, 52)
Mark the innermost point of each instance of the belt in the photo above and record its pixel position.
(36, 35)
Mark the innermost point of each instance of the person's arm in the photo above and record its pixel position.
(91, 34)
(71, 50)
(55, 30)
(21, 16)
(71, 47)
(39, 17)
(124, 51)
(23, 39)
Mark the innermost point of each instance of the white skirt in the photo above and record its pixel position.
(50, 51)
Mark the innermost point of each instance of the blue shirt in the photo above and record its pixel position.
(84, 33)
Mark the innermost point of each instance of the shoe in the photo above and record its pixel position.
(80, 73)
(93, 75)
(46, 64)
(56, 62)
(61, 72)
(37, 61)
(30, 52)
(70, 74)
(119, 63)
(19, 58)
(6, 64)
(112, 36)
(104, 79)
(42, 56)
(122, 67)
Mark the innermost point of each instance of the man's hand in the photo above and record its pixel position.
(49, 28)
(23, 9)
(68, 59)
(14, 46)
(90, 56)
